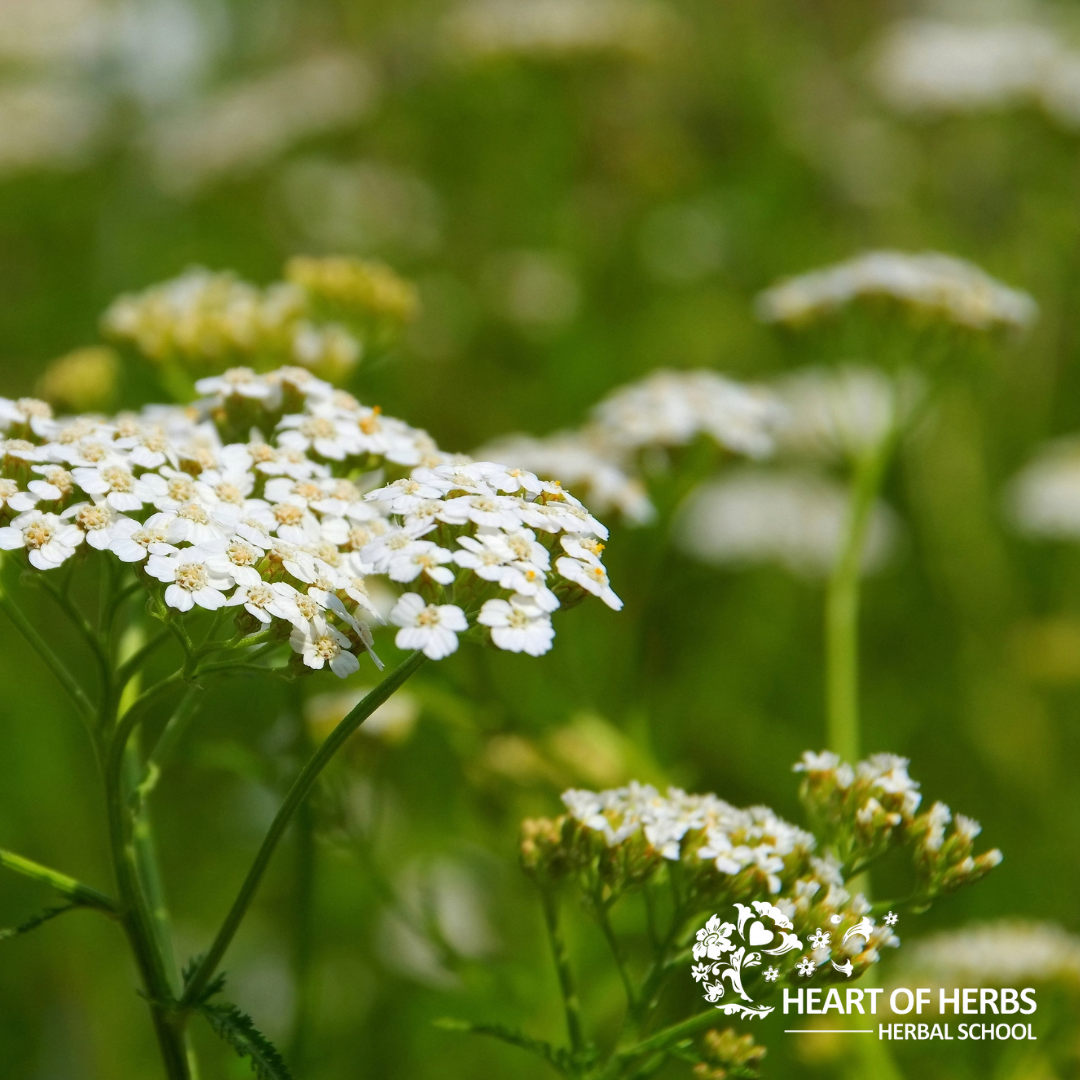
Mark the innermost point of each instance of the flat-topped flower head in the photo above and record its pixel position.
(771, 885)
(279, 530)
(929, 284)
(936, 66)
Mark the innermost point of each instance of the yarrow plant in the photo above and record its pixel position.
(694, 859)
(915, 316)
(266, 529)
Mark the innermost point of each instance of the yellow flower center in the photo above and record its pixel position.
(192, 511)
(38, 534)
(428, 617)
(307, 606)
(93, 517)
(318, 427)
(287, 514)
(192, 576)
(327, 647)
(240, 554)
(181, 488)
(119, 479)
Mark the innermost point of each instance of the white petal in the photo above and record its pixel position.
(179, 598)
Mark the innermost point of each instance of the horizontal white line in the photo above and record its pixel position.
(828, 1031)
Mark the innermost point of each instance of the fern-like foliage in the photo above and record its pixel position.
(36, 921)
(239, 1031)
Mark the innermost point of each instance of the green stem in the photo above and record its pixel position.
(167, 742)
(561, 956)
(632, 1002)
(842, 604)
(149, 868)
(297, 793)
(304, 942)
(136, 913)
(89, 634)
(131, 666)
(661, 1040)
(52, 661)
(67, 886)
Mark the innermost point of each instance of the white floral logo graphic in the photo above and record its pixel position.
(725, 950)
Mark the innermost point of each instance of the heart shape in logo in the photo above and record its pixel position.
(759, 935)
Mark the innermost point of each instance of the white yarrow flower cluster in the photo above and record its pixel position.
(251, 499)
(664, 411)
(930, 283)
(732, 839)
(934, 67)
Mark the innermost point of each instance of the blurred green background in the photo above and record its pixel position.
(577, 207)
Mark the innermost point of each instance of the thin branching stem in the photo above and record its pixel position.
(564, 972)
(136, 910)
(74, 890)
(207, 967)
(79, 621)
(134, 663)
(68, 681)
(602, 909)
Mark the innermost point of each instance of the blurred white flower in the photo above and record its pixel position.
(795, 519)
(246, 125)
(560, 28)
(1044, 498)
(933, 66)
(1005, 953)
(929, 282)
(392, 721)
(928, 65)
(46, 123)
(843, 412)
(53, 31)
(670, 408)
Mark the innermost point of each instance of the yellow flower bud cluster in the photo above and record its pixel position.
(354, 286)
(321, 318)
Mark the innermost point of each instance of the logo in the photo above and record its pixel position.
(725, 952)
